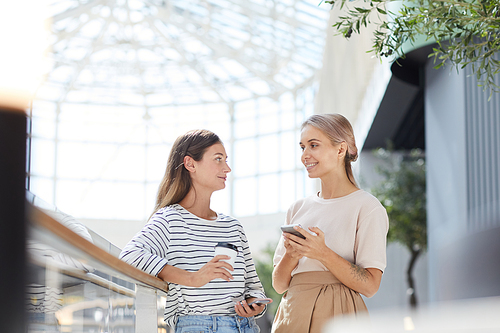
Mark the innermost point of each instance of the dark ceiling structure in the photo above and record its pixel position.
(400, 119)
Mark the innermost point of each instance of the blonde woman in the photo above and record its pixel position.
(345, 228)
(177, 244)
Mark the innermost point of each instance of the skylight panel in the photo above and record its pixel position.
(120, 13)
(136, 16)
(50, 92)
(258, 87)
(91, 29)
(104, 11)
(171, 54)
(143, 34)
(238, 93)
(284, 80)
(62, 74)
(208, 95)
(131, 99)
(216, 71)
(220, 3)
(148, 56)
(192, 76)
(309, 19)
(161, 98)
(101, 55)
(196, 10)
(77, 96)
(313, 9)
(44, 128)
(236, 33)
(55, 7)
(233, 67)
(187, 96)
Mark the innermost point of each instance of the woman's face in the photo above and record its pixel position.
(319, 156)
(212, 169)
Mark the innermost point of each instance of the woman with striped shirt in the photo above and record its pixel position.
(206, 294)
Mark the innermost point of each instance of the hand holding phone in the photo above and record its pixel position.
(261, 301)
(289, 228)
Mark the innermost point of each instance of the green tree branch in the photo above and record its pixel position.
(466, 32)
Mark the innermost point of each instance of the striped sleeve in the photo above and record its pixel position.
(147, 249)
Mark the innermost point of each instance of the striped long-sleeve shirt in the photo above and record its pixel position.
(176, 237)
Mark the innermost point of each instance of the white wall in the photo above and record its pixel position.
(347, 70)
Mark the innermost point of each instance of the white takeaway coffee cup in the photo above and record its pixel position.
(227, 249)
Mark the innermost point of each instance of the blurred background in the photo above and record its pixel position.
(121, 79)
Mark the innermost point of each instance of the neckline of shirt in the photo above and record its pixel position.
(184, 210)
(348, 196)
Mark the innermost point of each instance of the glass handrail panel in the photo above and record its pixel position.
(73, 290)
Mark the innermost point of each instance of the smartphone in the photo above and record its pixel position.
(289, 228)
(260, 301)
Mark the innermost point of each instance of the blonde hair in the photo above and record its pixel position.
(338, 129)
(176, 182)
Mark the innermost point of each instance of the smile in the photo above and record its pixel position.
(310, 165)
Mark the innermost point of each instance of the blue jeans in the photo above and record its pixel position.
(219, 324)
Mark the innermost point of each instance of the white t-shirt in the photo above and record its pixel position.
(355, 227)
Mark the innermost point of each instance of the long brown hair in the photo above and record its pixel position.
(176, 182)
(338, 129)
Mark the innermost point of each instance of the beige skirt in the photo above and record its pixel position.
(311, 300)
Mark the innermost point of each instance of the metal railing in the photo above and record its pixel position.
(77, 286)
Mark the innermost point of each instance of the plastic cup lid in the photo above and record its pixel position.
(227, 245)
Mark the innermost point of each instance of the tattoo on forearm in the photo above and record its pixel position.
(359, 273)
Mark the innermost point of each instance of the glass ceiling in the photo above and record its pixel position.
(126, 77)
(181, 52)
